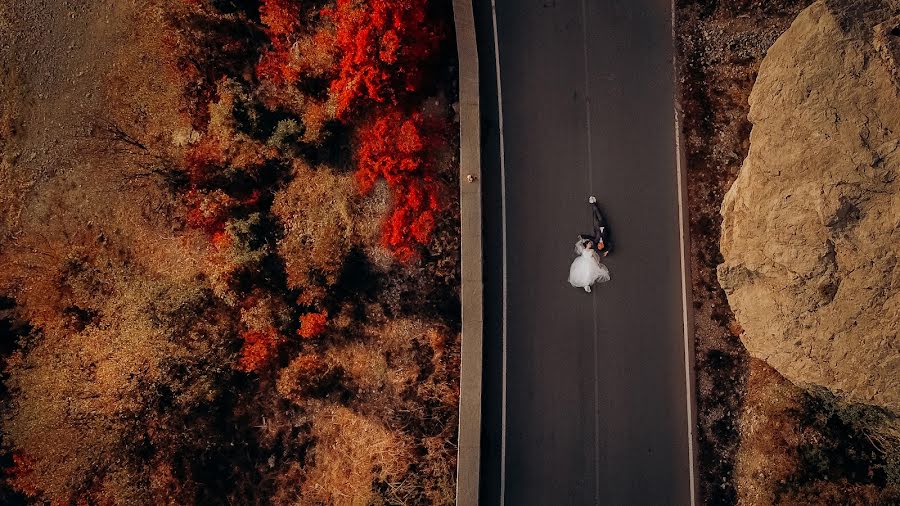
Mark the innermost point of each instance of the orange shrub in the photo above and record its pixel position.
(281, 19)
(209, 210)
(313, 324)
(295, 50)
(202, 159)
(258, 349)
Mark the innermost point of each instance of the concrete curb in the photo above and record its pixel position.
(469, 446)
(686, 294)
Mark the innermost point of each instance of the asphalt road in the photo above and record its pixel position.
(585, 402)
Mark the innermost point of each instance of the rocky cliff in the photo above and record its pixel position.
(811, 227)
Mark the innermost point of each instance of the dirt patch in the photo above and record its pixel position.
(70, 62)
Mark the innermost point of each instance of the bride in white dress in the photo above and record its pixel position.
(587, 269)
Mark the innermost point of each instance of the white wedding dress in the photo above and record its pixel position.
(586, 269)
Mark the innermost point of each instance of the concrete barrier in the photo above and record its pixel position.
(469, 449)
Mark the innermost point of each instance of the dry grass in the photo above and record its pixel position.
(69, 220)
(399, 382)
(83, 394)
(356, 461)
(397, 369)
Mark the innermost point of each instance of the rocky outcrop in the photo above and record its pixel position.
(811, 227)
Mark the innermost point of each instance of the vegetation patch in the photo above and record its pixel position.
(248, 293)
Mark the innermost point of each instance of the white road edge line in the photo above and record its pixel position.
(684, 240)
(503, 234)
(688, 327)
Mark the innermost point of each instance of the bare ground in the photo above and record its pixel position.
(65, 68)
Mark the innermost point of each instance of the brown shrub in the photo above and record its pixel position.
(309, 376)
(227, 150)
(366, 369)
(209, 45)
(261, 311)
(313, 113)
(767, 435)
(404, 358)
(404, 373)
(836, 492)
(314, 116)
(322, 218)
(437, 469)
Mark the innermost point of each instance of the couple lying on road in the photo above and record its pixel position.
(587, 269)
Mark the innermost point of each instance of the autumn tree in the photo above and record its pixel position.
(313, 324)
(385, 48)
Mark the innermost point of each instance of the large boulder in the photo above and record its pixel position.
(811, 227)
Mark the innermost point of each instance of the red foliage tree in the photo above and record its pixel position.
(275, 66)
(281, 19)
(384, 48)
(296, 49)
(400, 148)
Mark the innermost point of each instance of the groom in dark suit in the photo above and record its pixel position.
(600, 239)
